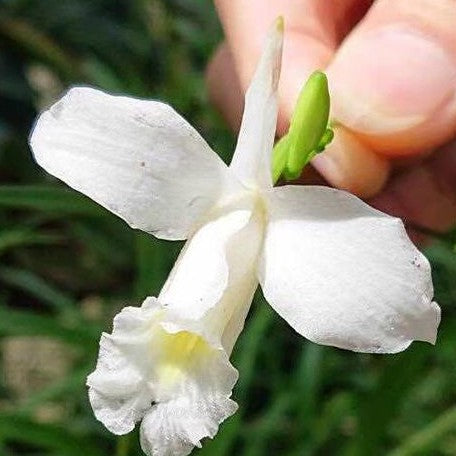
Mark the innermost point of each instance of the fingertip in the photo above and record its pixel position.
(420, 140)
(300, 60)
(424, 196)
(350, 165)
(393, 79)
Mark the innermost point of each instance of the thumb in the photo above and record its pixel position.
(393, 80)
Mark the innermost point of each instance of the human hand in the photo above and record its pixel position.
(391, 66)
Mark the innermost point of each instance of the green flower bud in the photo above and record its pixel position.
(308, 134)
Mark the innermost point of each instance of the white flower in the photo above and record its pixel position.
(340, 272)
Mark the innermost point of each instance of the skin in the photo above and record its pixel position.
(391, 67)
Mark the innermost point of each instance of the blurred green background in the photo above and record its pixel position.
(67, 266)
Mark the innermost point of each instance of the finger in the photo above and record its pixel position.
(313, 30)
(425, 195)
(393, 80)
(226, 93)
(224, 88)
(351, 165)
(366, 178)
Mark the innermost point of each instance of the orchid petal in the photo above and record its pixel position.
(344, 274)
(216, 274)
(176, 427)
(137, 158)
(252, 157)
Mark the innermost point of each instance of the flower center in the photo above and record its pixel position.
(181, 353)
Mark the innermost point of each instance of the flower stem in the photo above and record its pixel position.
(123, 445)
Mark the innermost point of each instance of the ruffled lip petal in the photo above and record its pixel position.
(118, 394)
(176, 382)
(174, 428)
(121, 420)
(118, 389)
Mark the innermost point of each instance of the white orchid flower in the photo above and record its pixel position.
(340, 272)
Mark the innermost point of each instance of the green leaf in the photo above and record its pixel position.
(379, 406)
(25, 323)
(250, 344)
(31, 283)
(428, 438)
(39, 46)
(16, 428)
(47, 198)
(267, 426)
(308, 383)
(332, 414)
(19, 237)
(155, 259)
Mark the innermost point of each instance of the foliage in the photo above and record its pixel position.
(67, 265)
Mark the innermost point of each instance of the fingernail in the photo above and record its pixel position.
(390, 79)
(350, 165)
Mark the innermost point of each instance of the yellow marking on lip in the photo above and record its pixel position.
(181, 351)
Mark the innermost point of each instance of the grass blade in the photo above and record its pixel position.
(48, 198)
